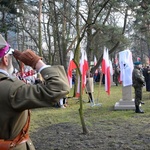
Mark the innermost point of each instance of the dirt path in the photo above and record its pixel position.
(104, 135)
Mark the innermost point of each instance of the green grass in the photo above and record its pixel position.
(105, 112)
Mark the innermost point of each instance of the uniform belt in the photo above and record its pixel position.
(10, 144)
(22, 137)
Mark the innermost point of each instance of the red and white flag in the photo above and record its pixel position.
(106, 70)
(29, 75)
(95, 62)
(71, 66)
(83, 68)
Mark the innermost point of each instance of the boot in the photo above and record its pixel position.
(92, 101)
(138, 110)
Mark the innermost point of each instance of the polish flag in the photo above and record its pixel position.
(106, 70)
(70, 68)
(111, 67)
(95, 62)
(83, 68)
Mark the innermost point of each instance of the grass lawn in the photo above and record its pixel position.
(47, 116)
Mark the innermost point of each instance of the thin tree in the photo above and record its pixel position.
(40, 31)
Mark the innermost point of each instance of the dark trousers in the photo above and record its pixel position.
(90, 97)
(138, 95)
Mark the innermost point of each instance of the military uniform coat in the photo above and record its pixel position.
(17, 97)
(138, 81)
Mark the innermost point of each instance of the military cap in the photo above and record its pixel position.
(4, 47)
(137, 63)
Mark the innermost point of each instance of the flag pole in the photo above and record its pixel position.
(100, 82)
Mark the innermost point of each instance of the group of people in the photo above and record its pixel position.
(140, 77)
(116, 74)
(17, 97)
(33, 78)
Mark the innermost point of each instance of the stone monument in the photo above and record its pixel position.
(126, 103)
(126, 68)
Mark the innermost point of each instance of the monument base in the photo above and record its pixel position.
(125, 105)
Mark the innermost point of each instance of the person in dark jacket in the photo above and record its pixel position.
(17, 97)
(116, 75)
(138, 83)
(146, 73)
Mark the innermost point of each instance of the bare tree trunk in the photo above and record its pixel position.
(57, 35)
(64, 35)
(89, 32)
(40, 32)
(85, 130)
(76, 60)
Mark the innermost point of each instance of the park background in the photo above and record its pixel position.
(53, 28)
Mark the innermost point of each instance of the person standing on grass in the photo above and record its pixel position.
(116, 75)
(146, 74)
(89, 88)
(138, 83)
(17, 98)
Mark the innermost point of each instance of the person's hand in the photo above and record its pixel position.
(28, 57)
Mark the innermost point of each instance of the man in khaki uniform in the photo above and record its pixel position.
(138, 83)
(16, 97)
